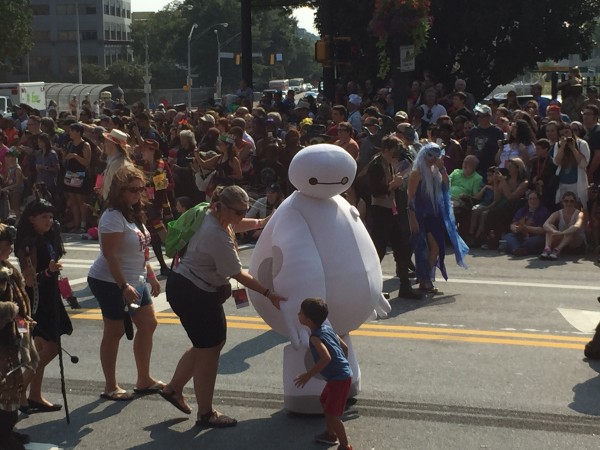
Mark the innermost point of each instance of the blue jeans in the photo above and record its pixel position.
(533, 244)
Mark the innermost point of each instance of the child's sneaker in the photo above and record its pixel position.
(554, 255)
(326, 438)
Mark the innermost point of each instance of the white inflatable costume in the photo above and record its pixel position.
(315, 245)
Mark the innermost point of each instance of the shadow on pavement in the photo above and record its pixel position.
(234, 360)
(586, 395)
(401, 305)
(70, 436)
(280, 430)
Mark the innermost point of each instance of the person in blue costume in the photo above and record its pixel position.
(431, 217)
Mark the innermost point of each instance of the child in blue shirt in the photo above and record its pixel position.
(330, 353)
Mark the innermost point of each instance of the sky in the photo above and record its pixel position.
(303, 15)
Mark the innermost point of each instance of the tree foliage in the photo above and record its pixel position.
(16, 31)
(490, 43)
(126, 75)
(166, 32)
(487, 43)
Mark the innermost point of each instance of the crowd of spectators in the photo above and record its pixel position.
(495, 152)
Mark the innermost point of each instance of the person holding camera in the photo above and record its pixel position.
(387, 177)
(572, 156)
(518, 145)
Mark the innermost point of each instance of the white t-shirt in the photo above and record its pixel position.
(133, 252)
(210, 259)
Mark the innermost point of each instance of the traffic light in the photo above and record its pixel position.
(322, 51)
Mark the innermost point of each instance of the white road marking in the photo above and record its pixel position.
(516, 283)
(40, 446)
(582, 320)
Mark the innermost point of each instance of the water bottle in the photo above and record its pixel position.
(140, 288)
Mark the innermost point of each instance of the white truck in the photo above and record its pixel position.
(32, 93)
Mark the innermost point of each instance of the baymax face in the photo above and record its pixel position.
(322, 170)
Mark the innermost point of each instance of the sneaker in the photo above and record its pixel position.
(546, 253)
(554, 255)
(326, 438)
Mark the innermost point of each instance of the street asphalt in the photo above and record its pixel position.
(495, 362)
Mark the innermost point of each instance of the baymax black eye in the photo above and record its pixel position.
(344, 180)
(312, 181)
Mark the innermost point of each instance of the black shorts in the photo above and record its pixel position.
(199, 311)
(110, 298)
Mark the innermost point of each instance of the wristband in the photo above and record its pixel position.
(151, 276)
(124, 286)
(257, 224)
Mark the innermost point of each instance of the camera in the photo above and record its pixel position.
(570, 140)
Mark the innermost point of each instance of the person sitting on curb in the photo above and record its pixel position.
(564, 228)
(526, 235)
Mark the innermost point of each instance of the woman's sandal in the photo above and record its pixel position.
(173, 399)
(215, 419)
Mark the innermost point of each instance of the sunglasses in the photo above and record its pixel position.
(135, 190)
(239, 212)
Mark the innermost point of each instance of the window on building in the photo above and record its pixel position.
(129, 14)
(67, 36)
(118, 11)
(40, 10)
(41, 35)
(113, 34)
(89, 35)
(112, 10)
(107, 35)
(106, 8)
(90, 10)
(65, 9)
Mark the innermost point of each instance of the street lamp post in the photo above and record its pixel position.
(78, 41)
(189, 72)
(219, 79)
(189, 76)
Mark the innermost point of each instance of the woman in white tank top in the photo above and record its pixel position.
(564, 228)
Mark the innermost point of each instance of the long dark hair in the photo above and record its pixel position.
(27, 236)
(116, 200)
(524, 133)
(45, 138)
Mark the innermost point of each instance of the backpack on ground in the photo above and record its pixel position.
(180, 231)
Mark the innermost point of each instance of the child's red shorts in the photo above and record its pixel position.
(334, 396)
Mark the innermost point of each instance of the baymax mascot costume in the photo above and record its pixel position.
(316, 245)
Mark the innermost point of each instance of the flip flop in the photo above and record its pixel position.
(171, 397)
(118, 395)
(154, 389)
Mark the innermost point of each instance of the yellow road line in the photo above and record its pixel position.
(399, 332)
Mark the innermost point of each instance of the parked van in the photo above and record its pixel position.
(297, 84)
(280, 85)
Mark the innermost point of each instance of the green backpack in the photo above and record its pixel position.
(180, 231)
